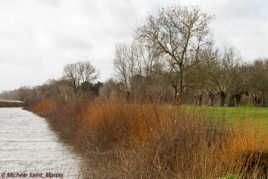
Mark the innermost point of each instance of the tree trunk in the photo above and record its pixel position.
(263, 100)
(175, 93)
(255, 100)
(211, 98)
(127, 95)
(231, 101)
(238, 99)
(75, 88)
(200, 99)
(195, 100)
(222, 98)
(181, 84)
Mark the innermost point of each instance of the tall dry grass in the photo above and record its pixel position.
(130, 139)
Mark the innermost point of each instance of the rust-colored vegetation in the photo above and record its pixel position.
(124, 139)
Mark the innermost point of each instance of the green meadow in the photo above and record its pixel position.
(243, 114)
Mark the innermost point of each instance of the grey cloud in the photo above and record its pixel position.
(55, 3)
(73, 43)
(244, 9)
(38, 37)
(242, 24)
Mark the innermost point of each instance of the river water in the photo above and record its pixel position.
(30, 149)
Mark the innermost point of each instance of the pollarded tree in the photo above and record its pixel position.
(201, 78)
(239, 86)
(258, 81)
(223, 73)
(177, 34)
(205, 79)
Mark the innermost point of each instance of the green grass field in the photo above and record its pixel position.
(244, 114)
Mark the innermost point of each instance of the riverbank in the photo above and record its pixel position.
(6, 103)
(123, 139)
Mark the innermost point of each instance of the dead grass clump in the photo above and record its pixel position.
(254, 164)
(115, 123)
(246, 153)
(44, 107)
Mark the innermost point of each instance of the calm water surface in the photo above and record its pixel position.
(28, 145)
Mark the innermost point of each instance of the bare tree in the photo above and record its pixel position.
(132, 61)
(80, 73)
(177, 33)
(122, 64)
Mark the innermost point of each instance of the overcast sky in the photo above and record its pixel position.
(38, 37)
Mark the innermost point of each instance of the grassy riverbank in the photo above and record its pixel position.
(7, 103)
(123, 139)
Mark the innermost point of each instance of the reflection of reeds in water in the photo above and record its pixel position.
(123, 139)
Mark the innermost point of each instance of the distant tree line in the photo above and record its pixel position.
(79, 80)
(172, 58)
